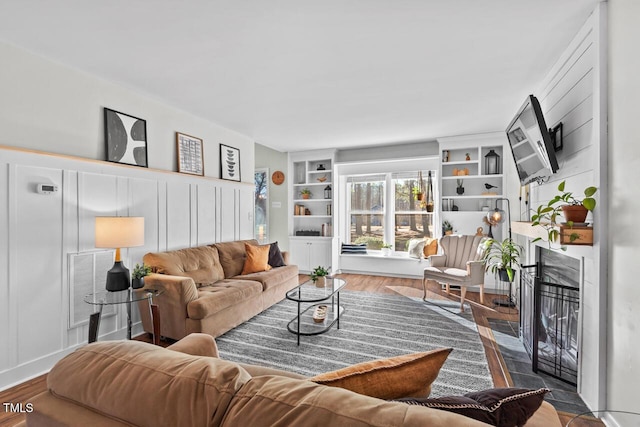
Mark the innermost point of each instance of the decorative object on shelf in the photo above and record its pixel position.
(190, 155)
(305, 193)
(118, 232)
(125, 137)
(308, 233)
(277, 177)
(321, 179)
(320, 167)
(329, 209)
(447, 204)
(546, 215)
(327, 192)
(480, 231)
(492, 163)
(447, 228)
(138, 275)
(386, 249)
(489, 186)
(445, 156)
(467, 157)
(299, 209)
(320, 313)
(229, 163)
(460, 188)
(318, 276)
(460, 172)
(455, 208)
(503, 259)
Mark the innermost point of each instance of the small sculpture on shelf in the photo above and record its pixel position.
(460, 189)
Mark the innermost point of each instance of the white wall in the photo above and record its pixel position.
(50, 107)
(623, 332)
(574, 92)
(278, 214)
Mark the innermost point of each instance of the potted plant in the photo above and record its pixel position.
(386, 249)
(447, 228)
(305, 193)
(573, 210)
(460, 189)
(502, 258)
(138, 275)
(318, 276)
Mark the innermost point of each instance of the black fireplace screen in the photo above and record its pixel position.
(549, 312)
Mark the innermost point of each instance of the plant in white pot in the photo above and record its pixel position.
(318, 276)
(386, 249)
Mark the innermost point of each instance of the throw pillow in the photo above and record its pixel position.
(416, 247)
(392, 378)
(275, 256)
(504, 407)
(354, 249)
(430, 247)
(257, 259)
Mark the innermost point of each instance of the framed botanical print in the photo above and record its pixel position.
(229, 163)
(190, 156)
(125, 138)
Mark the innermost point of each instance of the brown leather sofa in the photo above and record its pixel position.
(130, 383)
(204, 290)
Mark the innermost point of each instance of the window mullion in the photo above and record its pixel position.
(389, 210)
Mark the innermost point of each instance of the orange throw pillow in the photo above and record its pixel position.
(409, 375)
(257, 259)
(430, 247)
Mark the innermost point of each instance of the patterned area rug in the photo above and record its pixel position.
(373, 326)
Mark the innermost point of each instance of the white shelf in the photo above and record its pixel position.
(323, 171)
(310, 184)
(311, 200)
(445, 178)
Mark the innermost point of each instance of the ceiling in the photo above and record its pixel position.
(302, 74)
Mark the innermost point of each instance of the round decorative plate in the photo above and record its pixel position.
(277, 177)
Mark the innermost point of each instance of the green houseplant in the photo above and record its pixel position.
(573, 210)
(447, 228)
(386, 249)
(318, 276)
(305, 193)
(502, 258)
(138, 275)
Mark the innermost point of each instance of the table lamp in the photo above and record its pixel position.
(115, 233)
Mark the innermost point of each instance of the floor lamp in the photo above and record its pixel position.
(116, 232)
(498, 216)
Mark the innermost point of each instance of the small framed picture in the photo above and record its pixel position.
(229, 163)
(190, 157)
(125, 138)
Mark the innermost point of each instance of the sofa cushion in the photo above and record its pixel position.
(257, 259)
(232, 255)
(146, 385)
(502, 407)
(221, 295)
(275, 401)
(273, 277)
(200, 263)
(392, 378)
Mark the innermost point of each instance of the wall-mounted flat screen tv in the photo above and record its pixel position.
(531, 144)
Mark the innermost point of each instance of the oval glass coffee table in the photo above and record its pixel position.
(309, 293)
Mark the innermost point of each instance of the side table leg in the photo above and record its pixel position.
(155, 316)
(94, 325)
(129, 323)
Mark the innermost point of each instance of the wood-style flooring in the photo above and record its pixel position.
(356, 282)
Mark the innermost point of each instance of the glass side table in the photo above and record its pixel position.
(127, 297)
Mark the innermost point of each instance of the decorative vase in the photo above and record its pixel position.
(574, 213)
(460, 190)
(137, 283)
(321, 282)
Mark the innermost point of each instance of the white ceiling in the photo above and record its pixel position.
(303, 74)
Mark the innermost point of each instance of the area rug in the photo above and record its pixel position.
(373, 326)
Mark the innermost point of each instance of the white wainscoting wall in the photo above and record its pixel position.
(39, 231)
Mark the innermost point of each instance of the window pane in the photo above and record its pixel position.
(367, 228)
(411, 226)
(367, 196)
(367, 211)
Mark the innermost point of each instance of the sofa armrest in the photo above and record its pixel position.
(545, 416)
(196, 344)
(437, 260)
(177, 293)
(475, 269)
(285, 257)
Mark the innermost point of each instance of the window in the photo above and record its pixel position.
(261, 204)
(377, 216)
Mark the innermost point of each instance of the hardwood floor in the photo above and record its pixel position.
(356, 282)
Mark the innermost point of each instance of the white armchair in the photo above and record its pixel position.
(460, 264)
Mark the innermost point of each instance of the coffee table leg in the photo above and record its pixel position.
(299, 320)
(338, 313)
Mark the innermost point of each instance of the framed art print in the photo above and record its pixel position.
(190, 157)
(125, 138)
(229, 163)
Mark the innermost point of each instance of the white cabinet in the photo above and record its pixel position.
(308, 254)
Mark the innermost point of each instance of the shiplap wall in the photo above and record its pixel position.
(40, 230)
(574, 93)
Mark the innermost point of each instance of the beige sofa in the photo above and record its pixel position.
(204, 290)
(130, 383)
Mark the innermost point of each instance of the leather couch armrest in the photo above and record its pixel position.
(196, 344)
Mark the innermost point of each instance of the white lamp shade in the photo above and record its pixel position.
(119, 232)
